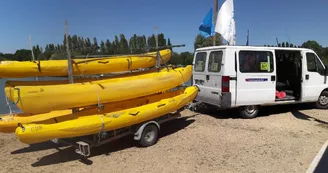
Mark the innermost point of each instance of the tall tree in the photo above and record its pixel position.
(124, 47)
(109, 48)
(283, 44)
(23, 55)
(161, 40)
(151, 41)
(88, 48)
(74, 43)
(206, 42)
(95, 45)
(311, 44)
(116, 45)
(102, 47)
(133, 44)
(169, 42)
(287, 44)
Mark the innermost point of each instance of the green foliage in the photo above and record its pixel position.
(151, 41)
(109, 47)
(23, 55)
(102, 47)
(123, 45)
(206, 42)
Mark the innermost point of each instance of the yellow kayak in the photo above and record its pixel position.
(41, 99)
(11, 84)
(8, 123)
(20, 69)
(93, 124)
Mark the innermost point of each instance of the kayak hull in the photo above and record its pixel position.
(9, 123)
(92, 124)
(41, 99)
(89, 66)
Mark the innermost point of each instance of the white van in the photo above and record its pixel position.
(249, 77)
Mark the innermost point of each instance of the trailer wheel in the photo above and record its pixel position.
(249, 112)
(149, 135)
(322, 102)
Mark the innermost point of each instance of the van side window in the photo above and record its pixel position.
(313, 64)
(200, 61)
(255, 61)
(214, 63)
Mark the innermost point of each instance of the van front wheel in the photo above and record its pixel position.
(322, 102)
(249, 112)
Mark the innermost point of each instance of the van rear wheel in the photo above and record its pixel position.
(322, 102)
(248, 112)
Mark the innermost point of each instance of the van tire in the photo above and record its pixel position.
(322, 102)
(249, 112)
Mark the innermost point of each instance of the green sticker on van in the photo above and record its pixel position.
(199, 66)
(215, 67)
(264, 66)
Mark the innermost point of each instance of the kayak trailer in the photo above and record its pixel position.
(145, 133)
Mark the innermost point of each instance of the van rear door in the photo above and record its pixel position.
(207, 76)
(256, 77)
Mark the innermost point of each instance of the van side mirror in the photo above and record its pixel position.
(326, 70)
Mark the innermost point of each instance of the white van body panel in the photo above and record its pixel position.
(251, 88)
(255, 88)
(313, 82)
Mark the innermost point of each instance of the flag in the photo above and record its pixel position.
(225, 22)
(247, 38)
(232, 40)
(207, 26)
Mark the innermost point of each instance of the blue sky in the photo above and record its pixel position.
(177, 19)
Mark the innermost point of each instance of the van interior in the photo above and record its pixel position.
(289, 75)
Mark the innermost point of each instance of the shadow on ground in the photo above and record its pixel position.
(302, 116)
(68, 153)
(38, 147)
(264, 111)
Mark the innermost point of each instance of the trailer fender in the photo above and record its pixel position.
(138, 134)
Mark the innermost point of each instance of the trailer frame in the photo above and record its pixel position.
(83, 144)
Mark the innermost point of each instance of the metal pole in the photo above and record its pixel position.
(158, 60)
(70, 73)
(33, 58)
(215, 17)
(29, 36)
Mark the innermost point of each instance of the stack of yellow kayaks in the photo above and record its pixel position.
(126, 100)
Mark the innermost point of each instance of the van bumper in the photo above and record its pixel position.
(225, 100)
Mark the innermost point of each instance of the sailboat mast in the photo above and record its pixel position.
(215, 15)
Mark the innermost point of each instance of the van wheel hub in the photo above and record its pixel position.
(250, 109)
(323, 100)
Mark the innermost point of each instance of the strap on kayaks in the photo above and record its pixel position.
(21, 126)
(38, 64)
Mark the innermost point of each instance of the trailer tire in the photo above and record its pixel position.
(322, 102)
(249, 112)
(149, 136)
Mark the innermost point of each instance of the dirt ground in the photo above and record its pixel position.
(282, 139)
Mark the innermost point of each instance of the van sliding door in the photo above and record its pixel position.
(256, 77)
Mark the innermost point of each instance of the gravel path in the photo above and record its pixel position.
(283, 139)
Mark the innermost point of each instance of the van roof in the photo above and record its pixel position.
(249, 48)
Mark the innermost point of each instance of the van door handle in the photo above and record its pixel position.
(307, 77)
(207, 77)
(273, 78)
